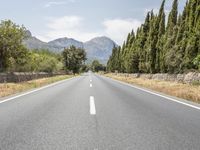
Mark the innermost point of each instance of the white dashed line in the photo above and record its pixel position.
(90, 84)
(92, 106)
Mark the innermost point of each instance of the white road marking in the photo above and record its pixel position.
(90, 84)
(92, 106)
(166, 97)
(90, 80)
(36, 90)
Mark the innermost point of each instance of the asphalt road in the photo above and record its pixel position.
(91, 112)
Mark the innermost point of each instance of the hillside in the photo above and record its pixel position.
(98, 48)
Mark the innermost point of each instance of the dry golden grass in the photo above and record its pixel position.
(185, 91)
(13, 88)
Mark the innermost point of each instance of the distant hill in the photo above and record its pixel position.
(98, 48)
(65, 42)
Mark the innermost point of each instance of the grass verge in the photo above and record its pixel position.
(7, 89)
(185, 91)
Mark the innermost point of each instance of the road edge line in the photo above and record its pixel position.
(36, 90)
(153, 93)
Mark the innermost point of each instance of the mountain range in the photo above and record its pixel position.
(99, 48)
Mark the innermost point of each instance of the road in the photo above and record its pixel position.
(91, 112)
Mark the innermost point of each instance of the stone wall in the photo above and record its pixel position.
(23, 76)
(192, 77)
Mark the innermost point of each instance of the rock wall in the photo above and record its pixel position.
(192, 77)
(22, 76)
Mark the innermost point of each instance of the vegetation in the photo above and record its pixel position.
(45, 61)
(12, 50)
(197, 62)
(160, 47)
(185, 91)
(14, 57)
(13, 88)
(74, 59)
(96, 66)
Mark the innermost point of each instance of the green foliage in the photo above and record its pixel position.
(74, 58)
(156, 48)
(114, 62)
(96, 66)
(44, 61)
(196, 62)
(15, 57)
(12, 51)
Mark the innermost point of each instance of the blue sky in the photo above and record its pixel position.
(80, 19)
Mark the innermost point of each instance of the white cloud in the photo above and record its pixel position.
(67, 26)
(118, 29)
(53, 3)
(73, 27)
(66, 22)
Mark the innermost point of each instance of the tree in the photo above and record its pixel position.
(12, 50)
(74, 58)
(96, 66)
(43, 61)
(114, 61)
(196, 62)
(157, 48)
(160, 38)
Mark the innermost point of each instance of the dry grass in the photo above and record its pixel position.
(7, 89)
(185, 91)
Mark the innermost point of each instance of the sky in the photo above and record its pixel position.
(80, 19)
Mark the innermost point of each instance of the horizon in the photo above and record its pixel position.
(76, 39)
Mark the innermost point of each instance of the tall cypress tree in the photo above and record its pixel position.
(160, 41)
(170, 37)
(152, 40)
(192, 47)
(142, 42)
(155, 48)
(172, 19)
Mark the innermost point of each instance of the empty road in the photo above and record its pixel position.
(92, 112)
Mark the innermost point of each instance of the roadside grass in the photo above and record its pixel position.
(185, 91)
(7, 89)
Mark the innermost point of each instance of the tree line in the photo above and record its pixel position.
(15, 57)
(161, 46)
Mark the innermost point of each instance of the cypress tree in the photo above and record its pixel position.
(172, 19)
(143, 40)
(156, 48)
(160, 40)
(170, 37)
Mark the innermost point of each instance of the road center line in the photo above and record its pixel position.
(90, 84)
(92, 106)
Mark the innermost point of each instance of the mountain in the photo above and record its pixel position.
(34, 43)
(66, 42)
(99, 48)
